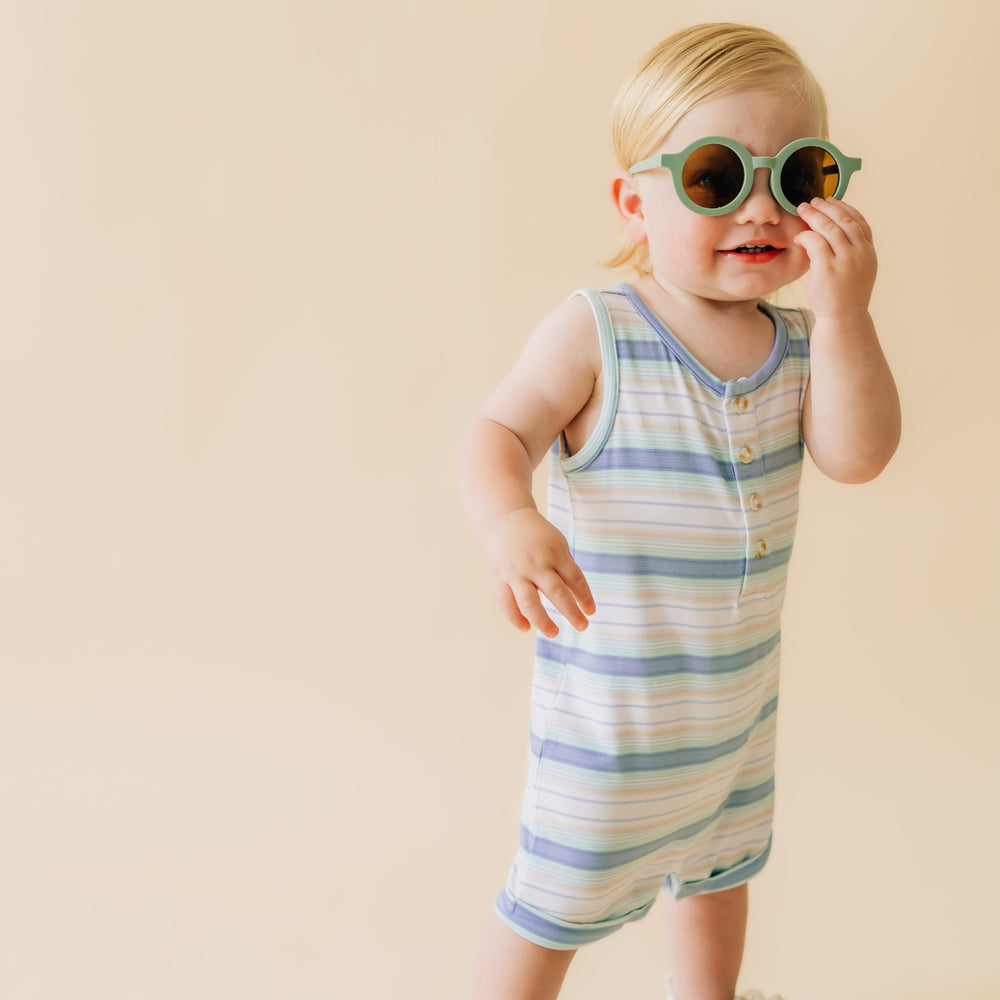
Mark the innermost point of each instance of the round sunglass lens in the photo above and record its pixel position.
(810, 172)
(712, 176)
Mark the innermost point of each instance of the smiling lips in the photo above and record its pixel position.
(753, 253)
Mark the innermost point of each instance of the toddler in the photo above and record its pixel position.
(676, 409)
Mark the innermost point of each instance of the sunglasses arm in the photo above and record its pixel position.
(662, 160)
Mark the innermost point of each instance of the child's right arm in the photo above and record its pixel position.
(553, 387)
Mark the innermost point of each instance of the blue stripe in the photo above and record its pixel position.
(630, 349)
(656, 460)
(595, 861)
(798, 347)
(782, 458)
(643, 350)
(667, 665)
(553, 933)
(635, 763)
(677, 568)
(696, 463)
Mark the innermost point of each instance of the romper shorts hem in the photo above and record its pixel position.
(728, 879)
(552, 932)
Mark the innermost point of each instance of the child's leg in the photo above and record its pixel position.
(705, 936)
(510, 967)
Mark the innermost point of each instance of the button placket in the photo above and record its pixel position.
(744, 440)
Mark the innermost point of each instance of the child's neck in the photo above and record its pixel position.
(730, 339)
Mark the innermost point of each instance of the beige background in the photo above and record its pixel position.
(261, 730)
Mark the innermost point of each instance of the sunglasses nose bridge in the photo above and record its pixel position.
(768, 163)
(767, 184)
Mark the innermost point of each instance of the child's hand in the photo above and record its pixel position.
(842, 262)
(850, 414)
(528, 555)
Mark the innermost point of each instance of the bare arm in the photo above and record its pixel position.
(552, 382)
(851, 417)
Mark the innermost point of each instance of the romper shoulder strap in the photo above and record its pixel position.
(609, 385)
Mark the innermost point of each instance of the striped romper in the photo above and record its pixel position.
(652, 732)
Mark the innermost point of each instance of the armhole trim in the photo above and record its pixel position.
(609, 370)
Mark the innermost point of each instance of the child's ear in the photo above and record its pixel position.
(629, 204)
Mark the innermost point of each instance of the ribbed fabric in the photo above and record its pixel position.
(652, 732)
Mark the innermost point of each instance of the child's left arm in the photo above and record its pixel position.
(850, 418)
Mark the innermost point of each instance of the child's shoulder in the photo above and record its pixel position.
(587, 315)
(570, 330)
(798, 320)
(562, 354)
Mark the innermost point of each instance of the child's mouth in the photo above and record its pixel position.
(754, 253)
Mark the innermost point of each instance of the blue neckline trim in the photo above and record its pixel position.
(734, 387)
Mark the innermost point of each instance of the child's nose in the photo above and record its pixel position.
(760, 206)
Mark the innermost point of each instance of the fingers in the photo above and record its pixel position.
(573, 603)
(531, 560)
(530, 605)
(814, 245)
(509, 607)
(841, 211)
(842, 258)
(839, 236)
(570, 595)
(840, 224)
(521, 600)
(579, 588)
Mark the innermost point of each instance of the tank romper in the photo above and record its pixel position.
(651, 758)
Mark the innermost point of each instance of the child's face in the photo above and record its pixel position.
(698, 254)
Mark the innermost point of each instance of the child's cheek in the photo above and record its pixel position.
(800, 260)
(799, 225)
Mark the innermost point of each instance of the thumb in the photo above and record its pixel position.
(813, 244)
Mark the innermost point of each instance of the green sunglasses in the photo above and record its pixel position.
(714, 176)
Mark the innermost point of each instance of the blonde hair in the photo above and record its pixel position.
(695, 65)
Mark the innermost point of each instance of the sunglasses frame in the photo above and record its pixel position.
(674, 162)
